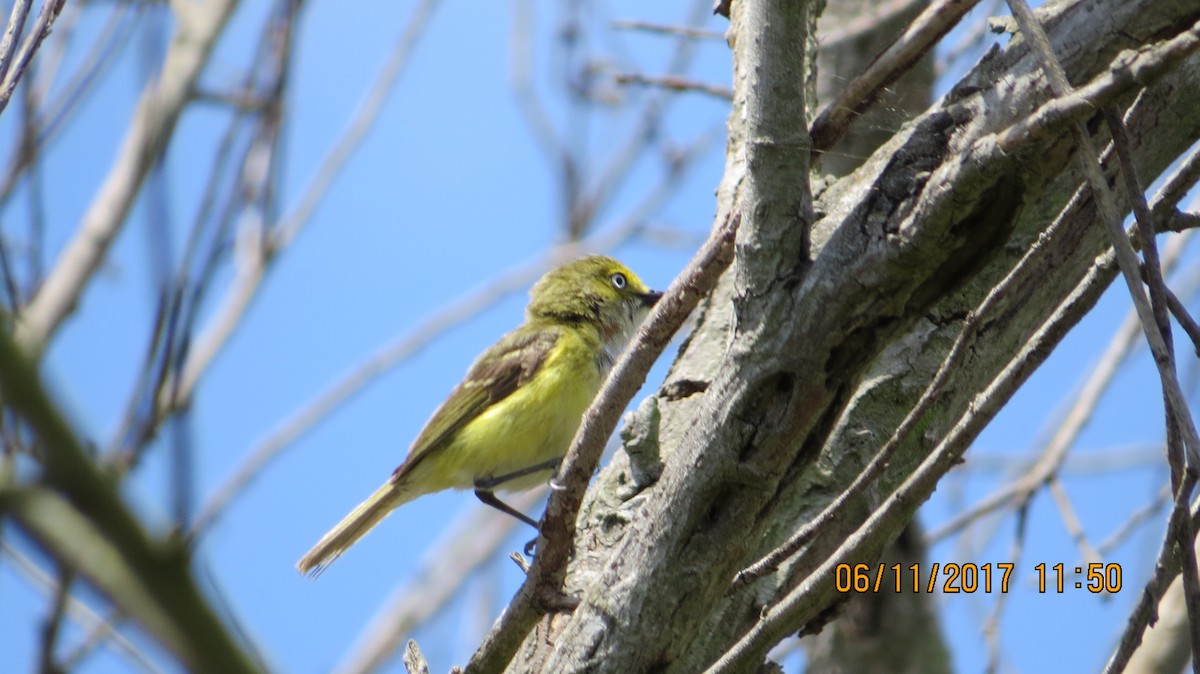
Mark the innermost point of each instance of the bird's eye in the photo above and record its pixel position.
(618, 280)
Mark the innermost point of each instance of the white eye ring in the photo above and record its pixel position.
(618, 280)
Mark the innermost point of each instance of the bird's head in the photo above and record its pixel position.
(593, 290)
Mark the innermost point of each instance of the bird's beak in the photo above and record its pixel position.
(648, 299)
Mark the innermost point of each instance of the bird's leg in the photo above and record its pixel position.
(490, 483)
(484, 487)
(489, 497)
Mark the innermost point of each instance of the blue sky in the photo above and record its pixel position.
(449, 191)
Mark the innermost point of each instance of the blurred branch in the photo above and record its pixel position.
(247, 187)
(991, 625)
(619, 167)
(90, 529)
(1134, 522)
(52, 625)
(259, 250)
(662, 29)
(1071, 521)
(678, 84)
(153, 125)
(80, 612)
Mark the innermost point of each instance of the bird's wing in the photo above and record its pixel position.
(499, 371)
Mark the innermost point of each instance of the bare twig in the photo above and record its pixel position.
(259, 255)
(1052, 455)
(1071, 521)
(675, 84)
(41, 28)
(81, 613)
(924, 32)
(1181, 429)
(1185, 319)
(662, 29)
(12, 33)
(1166, 568)
(991, 626)
(1134, 522)
(153, 124)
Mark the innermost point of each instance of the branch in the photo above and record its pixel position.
(679, 84)
(258, 257)
(85, 524)
(924, 32)
(806, 600)
(41, 28)
(153, 125)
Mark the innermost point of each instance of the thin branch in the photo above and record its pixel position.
(1185, 460)
(259, 252)
(618, 170)
(1127, 68)
(663, 29)
(52, 626)
(1177, 48)
(153, 125)
(1134, 522)
(1166, 568)
(1182, 180)
(802, 603)
(81, 613)
(678, 84)
(41, 28)
(1185, 319)
(991, 626)
(1054, 453)
(12, 33)
(922, 34)
(1070, 519)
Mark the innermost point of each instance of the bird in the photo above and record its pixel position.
(511, 419)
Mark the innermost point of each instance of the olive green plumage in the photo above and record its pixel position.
(521, 401)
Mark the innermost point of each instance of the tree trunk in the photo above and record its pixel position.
(800, 368)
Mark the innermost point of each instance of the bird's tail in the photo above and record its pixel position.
(355, 525)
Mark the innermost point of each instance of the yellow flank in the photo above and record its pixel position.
(533, 425)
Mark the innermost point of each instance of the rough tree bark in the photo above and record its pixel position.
(801, 367)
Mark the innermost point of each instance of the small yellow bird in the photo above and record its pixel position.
(511, 420)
